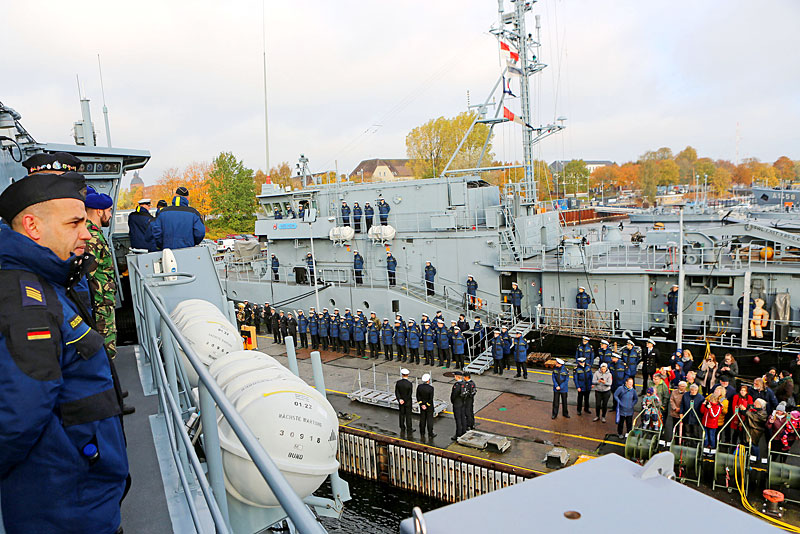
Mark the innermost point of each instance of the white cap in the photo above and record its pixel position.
(629, 341)
(513, 283)
(145, 201)
(559, 361)
(426, 377)
(651, 342)
(404, 371)
(604, 341)
(586, 338)
(604, 364)
(581, 287)
(581, 359)
(614, 355)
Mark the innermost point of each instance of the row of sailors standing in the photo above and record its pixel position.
(368, 212)
(429, 339)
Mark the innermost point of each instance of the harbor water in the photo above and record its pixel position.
(376, 508)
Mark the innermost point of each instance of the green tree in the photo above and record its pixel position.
(648, 178)
(667, 172)
(685, 160)
(232, 189)
(432, 144)
(704, 167)
(575, 176)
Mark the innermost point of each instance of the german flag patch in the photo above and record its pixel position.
(35, 334)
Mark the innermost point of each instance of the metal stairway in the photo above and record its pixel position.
(484, 360)
(438, 301)
(508, 247)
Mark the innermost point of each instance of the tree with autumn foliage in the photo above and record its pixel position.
(193, 177)
(431, 145)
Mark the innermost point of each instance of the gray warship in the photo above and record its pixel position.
(465, 226)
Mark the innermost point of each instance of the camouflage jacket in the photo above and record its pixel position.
(102, 284)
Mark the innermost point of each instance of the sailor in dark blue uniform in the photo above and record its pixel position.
(275, 264)
(178, 225)
(358, 267)
(357, 213)
(139, 230)
(63, 465)
(516, 299)
(391, 268)
(430, 275)
(345, 214)
(383, 210)
(582, 299)
(472, 292)
(369, 214)
(585, 350)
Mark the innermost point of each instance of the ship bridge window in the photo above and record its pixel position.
(696, 281)
(724, 281)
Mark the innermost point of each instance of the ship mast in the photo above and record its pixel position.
(511, 31)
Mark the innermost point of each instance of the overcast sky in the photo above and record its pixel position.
(347, 80)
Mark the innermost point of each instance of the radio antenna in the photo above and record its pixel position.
(105, 109)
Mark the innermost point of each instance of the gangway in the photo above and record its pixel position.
(385, 397)
(484, 360)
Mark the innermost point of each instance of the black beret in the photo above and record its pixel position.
(36, 188)
(57, 161)
(182, 191)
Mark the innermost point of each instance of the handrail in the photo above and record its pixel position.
(291, 503)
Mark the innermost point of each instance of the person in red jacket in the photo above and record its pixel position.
(711, 410)
(740, 403)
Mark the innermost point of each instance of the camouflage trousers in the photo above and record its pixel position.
(106, 325)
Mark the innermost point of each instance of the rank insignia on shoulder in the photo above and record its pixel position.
(75, 321)
(32, 294)
(35, 334)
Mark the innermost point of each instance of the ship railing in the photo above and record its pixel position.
(721, 329)
(665, 257)
(160, 341)
(460, 220)
(448, 295)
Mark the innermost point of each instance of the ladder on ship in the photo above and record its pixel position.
(484, 360)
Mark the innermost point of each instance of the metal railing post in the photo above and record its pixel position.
(291, 355)
(211, 447)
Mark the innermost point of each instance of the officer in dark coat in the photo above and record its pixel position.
(425, 401)
(582, 376)
(357, 213)
(472, 292)
(358, 267)
(257, 318)
(391, 268)
(403, 390)
(275, 319)
(520, 350)
(310, 267)
(63, 464)
(266, 317)
(302, 329)
(430, 275)
(345, 214)
(649, 362)
(457, 396)
(275, 264)
(672, 304)
(560, 388)
(139, 231)
(313, 328)
(283, 324)
(369, 214)
(469, 400)
(178, 225)
(384, 209)
(516, 299)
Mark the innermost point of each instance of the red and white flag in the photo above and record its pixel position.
(507, 114)
(510, 54)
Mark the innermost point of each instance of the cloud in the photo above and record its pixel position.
(347, 80)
